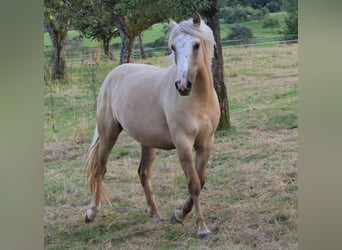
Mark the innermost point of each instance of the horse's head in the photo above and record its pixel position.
(192, 43)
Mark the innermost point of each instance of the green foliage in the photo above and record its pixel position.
(159, 9)
(257, 28)
(238, 13)
(154, 38)
(240, 33)
(234, 14)
(270, 22)
(259, 14)
(96, 20)
(274, 6)
(57, 20)
(58, 12)
(290, 30)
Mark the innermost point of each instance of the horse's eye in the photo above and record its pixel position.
(196, 46)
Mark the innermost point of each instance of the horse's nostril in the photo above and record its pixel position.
(176, 84)
(188, 84)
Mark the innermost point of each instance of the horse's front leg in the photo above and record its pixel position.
(196, 177)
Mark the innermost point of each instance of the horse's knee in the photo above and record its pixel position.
(194, 187)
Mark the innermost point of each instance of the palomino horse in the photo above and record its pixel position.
(164, 108)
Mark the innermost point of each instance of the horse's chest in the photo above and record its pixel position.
(198, 126)
(204, 125)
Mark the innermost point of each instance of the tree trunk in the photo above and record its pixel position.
(58, 38)
(130, 50)
(127, 49)
(127, 41)
(106, 48)
(213, 17)
(141, 46)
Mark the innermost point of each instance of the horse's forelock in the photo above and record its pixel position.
(201, 31)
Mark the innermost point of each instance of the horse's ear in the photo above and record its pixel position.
(196, 19)
(172, 24)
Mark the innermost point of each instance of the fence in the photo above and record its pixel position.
(78, 55)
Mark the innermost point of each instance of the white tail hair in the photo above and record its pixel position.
(90, 164)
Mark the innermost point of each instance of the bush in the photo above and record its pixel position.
(160, 42)
(274, 6)
(260, 13)
(290, 30)
(234, 14)
(239, 14)
(240, 33)
(250, 11)
(270, 22)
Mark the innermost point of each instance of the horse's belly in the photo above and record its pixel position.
(146, 125)
(137, 104)
(152, 137)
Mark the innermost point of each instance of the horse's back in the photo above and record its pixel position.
(138, 72)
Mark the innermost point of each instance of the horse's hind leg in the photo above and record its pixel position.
(145, 171)
(106, 140)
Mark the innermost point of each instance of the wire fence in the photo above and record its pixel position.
(78, 55)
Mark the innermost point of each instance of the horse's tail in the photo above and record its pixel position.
(91, 166)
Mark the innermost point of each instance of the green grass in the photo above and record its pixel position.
(155, 32)
(250, 197)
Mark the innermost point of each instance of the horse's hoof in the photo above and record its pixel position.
(157, 217)
(204, 235)
(87, 220)
(90, 216)
(174, 219)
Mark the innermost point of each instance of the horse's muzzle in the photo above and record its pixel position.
(183, 91)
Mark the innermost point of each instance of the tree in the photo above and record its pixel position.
(129, 29)
(133, 17)
(291, 21)
(58, 17)
(96, 20)
(241, 34)
(213, 16)
(141, 46)
(272, 5)
(57, 20)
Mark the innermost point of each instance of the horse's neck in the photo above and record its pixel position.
(204, 84)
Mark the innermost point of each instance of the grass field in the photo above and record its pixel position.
(249, 199)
